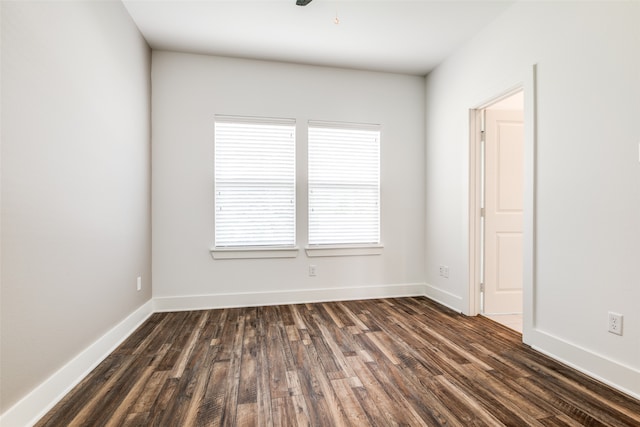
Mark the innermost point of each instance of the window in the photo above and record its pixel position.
(254, 182)
(344, 184)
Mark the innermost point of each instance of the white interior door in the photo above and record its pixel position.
(504, 184)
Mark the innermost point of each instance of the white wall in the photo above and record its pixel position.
(189, 89)
(75, 182)
(588, 173)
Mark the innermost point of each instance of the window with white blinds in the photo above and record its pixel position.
(344, 184)
(255, 200)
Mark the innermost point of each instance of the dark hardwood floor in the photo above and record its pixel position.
(386, 362)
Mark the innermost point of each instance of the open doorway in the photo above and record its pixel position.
(501, 128)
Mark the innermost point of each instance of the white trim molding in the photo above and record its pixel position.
(452, 301)
(613, 373)
(253, 253)
(28, 410)
(343, 250)
(294, 296)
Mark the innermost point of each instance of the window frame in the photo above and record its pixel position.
(344, 249)
(254, 250)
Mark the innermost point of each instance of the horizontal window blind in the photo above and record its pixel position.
(344, 184)
(254, 182)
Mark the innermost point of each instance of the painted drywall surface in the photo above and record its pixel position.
(588, 174)
(189, 89)
(75, 182)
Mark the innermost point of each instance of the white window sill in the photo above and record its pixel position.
(343, 250)
(253, 253)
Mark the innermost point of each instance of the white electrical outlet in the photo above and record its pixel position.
(139, 283)
(312, 270)
(615, 323)
(444, 271)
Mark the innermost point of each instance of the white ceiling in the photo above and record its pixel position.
(410, 37)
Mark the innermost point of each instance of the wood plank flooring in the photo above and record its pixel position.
(386, 362)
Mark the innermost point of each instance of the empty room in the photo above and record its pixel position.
(323, 213)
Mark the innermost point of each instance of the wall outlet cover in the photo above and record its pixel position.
(615, 323)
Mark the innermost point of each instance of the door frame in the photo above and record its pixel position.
(528, 86)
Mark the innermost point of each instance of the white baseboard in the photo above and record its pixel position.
(452, 301)
(296, 296)
(623, 378)
(40, 400)
(615, 374)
